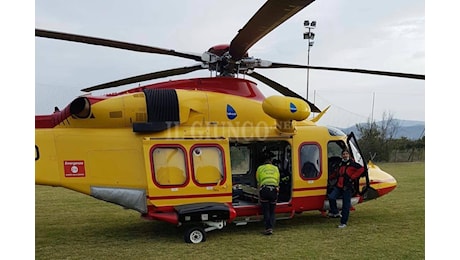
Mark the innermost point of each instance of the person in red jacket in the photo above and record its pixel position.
(346, 173)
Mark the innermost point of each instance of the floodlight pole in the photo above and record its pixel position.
(309, 36)
(308, 63)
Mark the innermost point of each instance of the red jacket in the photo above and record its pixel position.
(346, 173)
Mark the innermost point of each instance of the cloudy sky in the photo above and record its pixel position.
(376, 35)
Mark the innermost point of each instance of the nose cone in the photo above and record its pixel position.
(380, 181)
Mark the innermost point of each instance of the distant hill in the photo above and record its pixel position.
(413, 130)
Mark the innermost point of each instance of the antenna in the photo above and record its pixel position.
(372, 111)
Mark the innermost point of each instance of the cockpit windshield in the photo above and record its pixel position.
(335, 131)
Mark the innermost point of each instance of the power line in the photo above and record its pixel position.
(339, 107)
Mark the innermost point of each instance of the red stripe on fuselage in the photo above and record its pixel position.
(225, 85)
(192, 196)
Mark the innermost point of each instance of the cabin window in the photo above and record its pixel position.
(208, 165)
(334, 155)
(310, 161)
(169, 166)
(239, 156)
(334, 149)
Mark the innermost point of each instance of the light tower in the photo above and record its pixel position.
(310, 36)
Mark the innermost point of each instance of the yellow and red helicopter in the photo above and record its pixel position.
(186, 151)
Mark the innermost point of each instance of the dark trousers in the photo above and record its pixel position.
(268, 196)
(346, 202)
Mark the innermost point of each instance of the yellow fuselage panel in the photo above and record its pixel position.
(237, 111)
(306, 134)
(210, 108)
(195, 108)
(114, 112)
(159, 160)
(76, 158)
(46, 160)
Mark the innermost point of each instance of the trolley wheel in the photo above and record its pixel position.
(195, 235)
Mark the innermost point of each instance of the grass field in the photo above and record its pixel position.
(69, 225)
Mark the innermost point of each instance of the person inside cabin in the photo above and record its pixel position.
(268, 178)
(310, 157)
(285, 182)
(309, 170)
(346, 173)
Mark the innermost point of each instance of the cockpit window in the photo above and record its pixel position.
(335, 132)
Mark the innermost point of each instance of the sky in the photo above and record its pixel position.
(384, 35)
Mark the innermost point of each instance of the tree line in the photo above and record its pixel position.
(378, 143)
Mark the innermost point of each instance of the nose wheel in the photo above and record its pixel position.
(195, 235)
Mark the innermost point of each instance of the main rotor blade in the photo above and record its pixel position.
(283, 90)
(267, 18)
(145, 77)
(375, 72)
(113, 44)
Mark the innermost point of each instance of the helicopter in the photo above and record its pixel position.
(185, 151)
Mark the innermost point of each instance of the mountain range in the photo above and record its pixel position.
(410, 129)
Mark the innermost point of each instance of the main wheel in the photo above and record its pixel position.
(195, 235)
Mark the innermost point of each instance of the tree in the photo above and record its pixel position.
(389, 127)
(376, 137)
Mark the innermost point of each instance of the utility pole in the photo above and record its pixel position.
(310, 36)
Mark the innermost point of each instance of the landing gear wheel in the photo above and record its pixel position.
(195, 235)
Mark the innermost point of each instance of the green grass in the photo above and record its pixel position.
(69, 225)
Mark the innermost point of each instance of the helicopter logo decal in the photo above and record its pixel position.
(292, 107)
(231, 113)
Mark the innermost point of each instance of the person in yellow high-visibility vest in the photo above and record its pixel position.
(268, 179)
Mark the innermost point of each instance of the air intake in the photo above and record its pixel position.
(162, 110)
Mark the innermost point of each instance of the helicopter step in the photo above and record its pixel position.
(354, 201)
